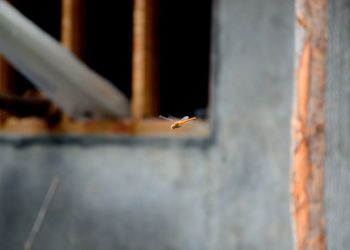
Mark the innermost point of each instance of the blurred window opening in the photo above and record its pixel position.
(156, 52)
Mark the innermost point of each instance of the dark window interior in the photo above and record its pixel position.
(108, 41)
(184, 39)
(47, 15)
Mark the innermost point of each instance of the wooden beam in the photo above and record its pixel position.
(145, 127)
(145, 62)
(26, 106)
(308, 125)
(6, 85)
(72, 26)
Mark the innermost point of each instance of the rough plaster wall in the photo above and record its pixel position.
(111, 197)
(230, 192)
(338, 124)
(254, 93)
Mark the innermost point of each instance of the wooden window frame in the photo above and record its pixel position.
(144, 99)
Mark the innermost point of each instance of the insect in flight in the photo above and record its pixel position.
(177, 123)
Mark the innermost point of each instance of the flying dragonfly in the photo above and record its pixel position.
(177, 123)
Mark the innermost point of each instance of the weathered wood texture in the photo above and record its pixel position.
(337, 174)
(308, 125)
(144, 75)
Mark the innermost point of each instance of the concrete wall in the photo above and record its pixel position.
(227, 192)
(337, 168)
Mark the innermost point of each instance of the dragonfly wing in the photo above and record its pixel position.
(173, 118)
(184, 118)
(166, 118)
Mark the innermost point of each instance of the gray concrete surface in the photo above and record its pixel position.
(337, 178)
(228, 192)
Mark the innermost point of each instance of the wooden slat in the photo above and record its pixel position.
(6, 76)
(72, 26)
(144, 73)
(25, 126)
(25, 106)
(159, 127)
(146, 127)
(308, 125)
(6, 83)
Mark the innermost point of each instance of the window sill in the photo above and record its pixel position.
(32, 126)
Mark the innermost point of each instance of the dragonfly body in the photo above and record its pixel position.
(178, 123)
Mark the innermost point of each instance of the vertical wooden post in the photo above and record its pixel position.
(72, 25)
(144, 71)
(308, 125)
(6, 84)
(5, 76)
(72, 30)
